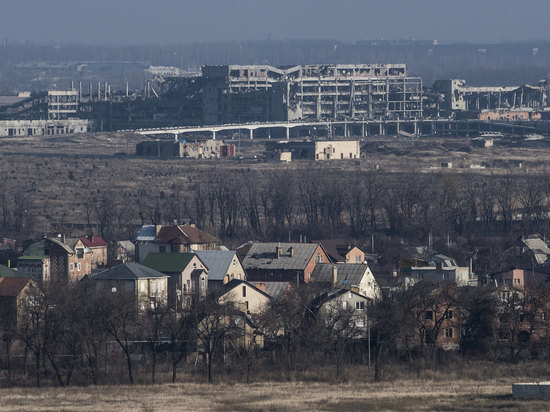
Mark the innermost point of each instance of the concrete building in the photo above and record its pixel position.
(234, 93)
(209, 149)
(314, 150)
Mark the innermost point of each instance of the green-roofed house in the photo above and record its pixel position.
(188, 276)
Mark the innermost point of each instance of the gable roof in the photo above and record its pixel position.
(12, 286)
(128, 271)
(347, 275)
(264, 256)
(233, 283)
(274, 289)
(9, 273)
(168, 262)
(217, 262)
(64, 245)
(184, 234)
(336, 249)
(93, 241)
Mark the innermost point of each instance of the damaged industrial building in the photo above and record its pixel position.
(382, 97)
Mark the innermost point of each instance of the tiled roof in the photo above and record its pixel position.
(93, 241)
(128, 271)
(168, 262)
(12, 286)
(217, 261)
(347, 274)
(184, 234)
(264, 256)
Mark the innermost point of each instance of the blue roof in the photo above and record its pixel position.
(146, 234)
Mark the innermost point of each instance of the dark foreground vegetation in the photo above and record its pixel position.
(78, 336)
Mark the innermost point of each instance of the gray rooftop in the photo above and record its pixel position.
(348, 275)
(217, 262)
(128, 271)
(264, 256)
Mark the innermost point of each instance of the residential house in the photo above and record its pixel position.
(70, 259)
(245, 296)
(337, 300)
(223, 266)
(353, 276)
(275, 290)
(340, 251)
(520, 278)
(125, 251)
(37, 267)
(290, 262)
(437, 268)
(188, 276)
(98, 248)
(147, 287)
(15, 293)
(530, 250)
(172, 239)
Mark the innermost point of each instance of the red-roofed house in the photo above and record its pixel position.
(98, 247)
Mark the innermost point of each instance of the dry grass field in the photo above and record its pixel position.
(400, 395)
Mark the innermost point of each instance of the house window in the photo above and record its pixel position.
(449, 314)
(79, 267)
(360, 305)
(202, 283)
(47, 252)
(244, 291)
(79, 253)
(516, 281)
(319, 258)
(153, 286)
(161, 285)
(344, 304)
(234, 262)
(358, 259)
(429, 315)
(142, 286)
(507, 281)
(449, 333)
(71, 267)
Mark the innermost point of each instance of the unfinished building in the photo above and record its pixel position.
(313, 150)
(459, 97)
(238, 94)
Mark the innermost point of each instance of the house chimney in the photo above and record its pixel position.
(334, 275)
(279, 250)
(291, 250)
(157, 229)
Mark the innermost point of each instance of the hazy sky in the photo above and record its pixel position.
(179, 21)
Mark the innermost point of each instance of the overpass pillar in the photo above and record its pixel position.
(363, 129)
(213, 135)
(251, 134)
(269, 132)
(287, 132)
(345, 130)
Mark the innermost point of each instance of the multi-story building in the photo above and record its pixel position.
(233, 93)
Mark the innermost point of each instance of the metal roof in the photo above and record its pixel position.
(128, 271)
(217, 261)
(168, 262)
(264, 256)
(348, 275)
(276, 289)
(7, 272)
(146, 234)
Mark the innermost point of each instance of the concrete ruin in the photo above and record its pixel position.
(285, 151)
(239, 94)
(209, 149)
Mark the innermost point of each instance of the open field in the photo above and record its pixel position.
(56, 177)
(463, 395)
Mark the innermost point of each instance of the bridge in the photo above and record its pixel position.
(364, 128)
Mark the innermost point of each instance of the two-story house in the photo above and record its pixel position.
(353, 276)
(147, 287)
(223, 266)
(188, 276)
(291, 262)
(98, 247)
